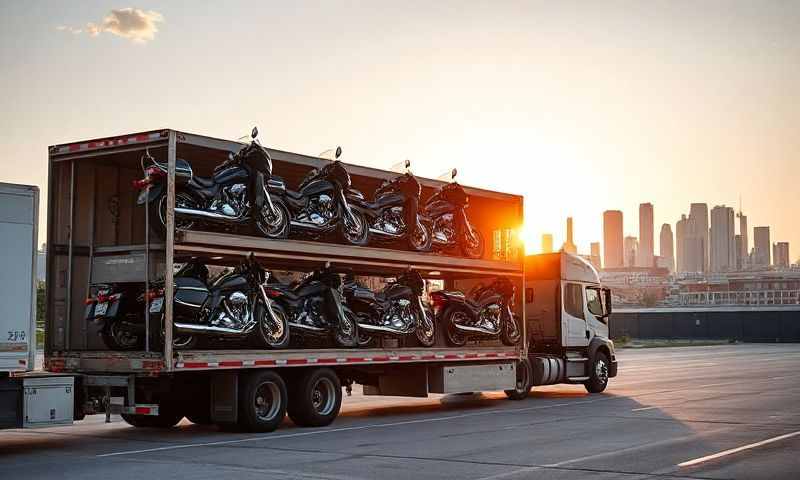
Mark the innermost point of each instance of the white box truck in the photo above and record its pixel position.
(27, 399)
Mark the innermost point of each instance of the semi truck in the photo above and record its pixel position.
(98, 234)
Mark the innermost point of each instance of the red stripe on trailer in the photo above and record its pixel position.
(195, 365)
(142, 410)
(326, 360)
(296, 361)
(231, 363)
(405, 358)
(380, 359)
(356, 360)
(264, 362)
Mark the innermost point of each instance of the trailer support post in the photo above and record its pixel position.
(170, 249)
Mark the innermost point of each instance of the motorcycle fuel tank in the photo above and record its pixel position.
(190, 294)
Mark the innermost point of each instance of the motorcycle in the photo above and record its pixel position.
(445, 213)
(320, 206)
(395, 311)
(394, 209)
(241, 191)
(233, 306)
(486, 312)
(115, 309)
(314, 307)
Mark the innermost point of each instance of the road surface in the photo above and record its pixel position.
(690, 412)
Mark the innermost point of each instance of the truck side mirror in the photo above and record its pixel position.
(607, 300)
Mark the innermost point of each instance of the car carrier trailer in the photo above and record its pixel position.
(97, 233)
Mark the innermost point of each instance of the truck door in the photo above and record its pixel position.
(573, 317)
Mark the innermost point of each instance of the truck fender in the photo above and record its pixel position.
(607, 346)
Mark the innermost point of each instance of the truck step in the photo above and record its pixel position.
(577, 379)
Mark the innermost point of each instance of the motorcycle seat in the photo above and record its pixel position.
(294, 195)
(203, 182)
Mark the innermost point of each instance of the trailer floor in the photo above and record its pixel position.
(667, 407)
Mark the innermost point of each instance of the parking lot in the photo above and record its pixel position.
(728, 411)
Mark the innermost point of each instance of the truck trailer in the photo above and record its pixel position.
(97, 233)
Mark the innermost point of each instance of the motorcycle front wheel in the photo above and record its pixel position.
(472, 244)
(421, 238)
(273, 225)
(511, 334)
(345, 334)
(356, 231)
(270, 334)
(426, 328)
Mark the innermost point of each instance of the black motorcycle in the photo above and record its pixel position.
(486, 313)
(233, 306)
(115, 308)
(241, 191)
(320, 206)
(445, 213)
(395, 311)
(314, 307)
(393, 214)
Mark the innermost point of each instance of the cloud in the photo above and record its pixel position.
(131, 23)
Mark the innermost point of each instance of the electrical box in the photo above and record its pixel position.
(48, 401)
(471, 378)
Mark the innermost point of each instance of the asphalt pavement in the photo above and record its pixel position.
(715, 412)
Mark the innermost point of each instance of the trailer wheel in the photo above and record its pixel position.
(598, 375)
(316, 398)
(262, 401)
(524, 381)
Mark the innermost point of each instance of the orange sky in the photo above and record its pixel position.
(579, 106)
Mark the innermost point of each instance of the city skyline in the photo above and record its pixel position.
(706, 240)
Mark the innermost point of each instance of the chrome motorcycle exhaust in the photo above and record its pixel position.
(207, 329)
(381, 329)
(205, 214)
(381, 232)
(484, 331)
(310, 328)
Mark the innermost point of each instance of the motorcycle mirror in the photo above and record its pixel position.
(327, 265)
(230, 155)
(254, 133)
(338, 152)
(408, 163)
(453, 173)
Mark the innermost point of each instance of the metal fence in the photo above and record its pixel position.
(749, 325)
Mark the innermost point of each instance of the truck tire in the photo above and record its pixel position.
(598, 374)
(262, 401)
(524, 381)
(315, 398)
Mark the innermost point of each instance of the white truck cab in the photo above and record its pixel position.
(567, 314)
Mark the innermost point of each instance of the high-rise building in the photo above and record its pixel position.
(723, 246)
(761, 246)
(612, 239)
(665, 247)
(646, 231)
(693, 254)
(594, 256)
(631, 247)
(745, 246)
(698, 227)
(740, 261)
(569, 245)
(780, 254)
(681, 230)
(547, 243)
